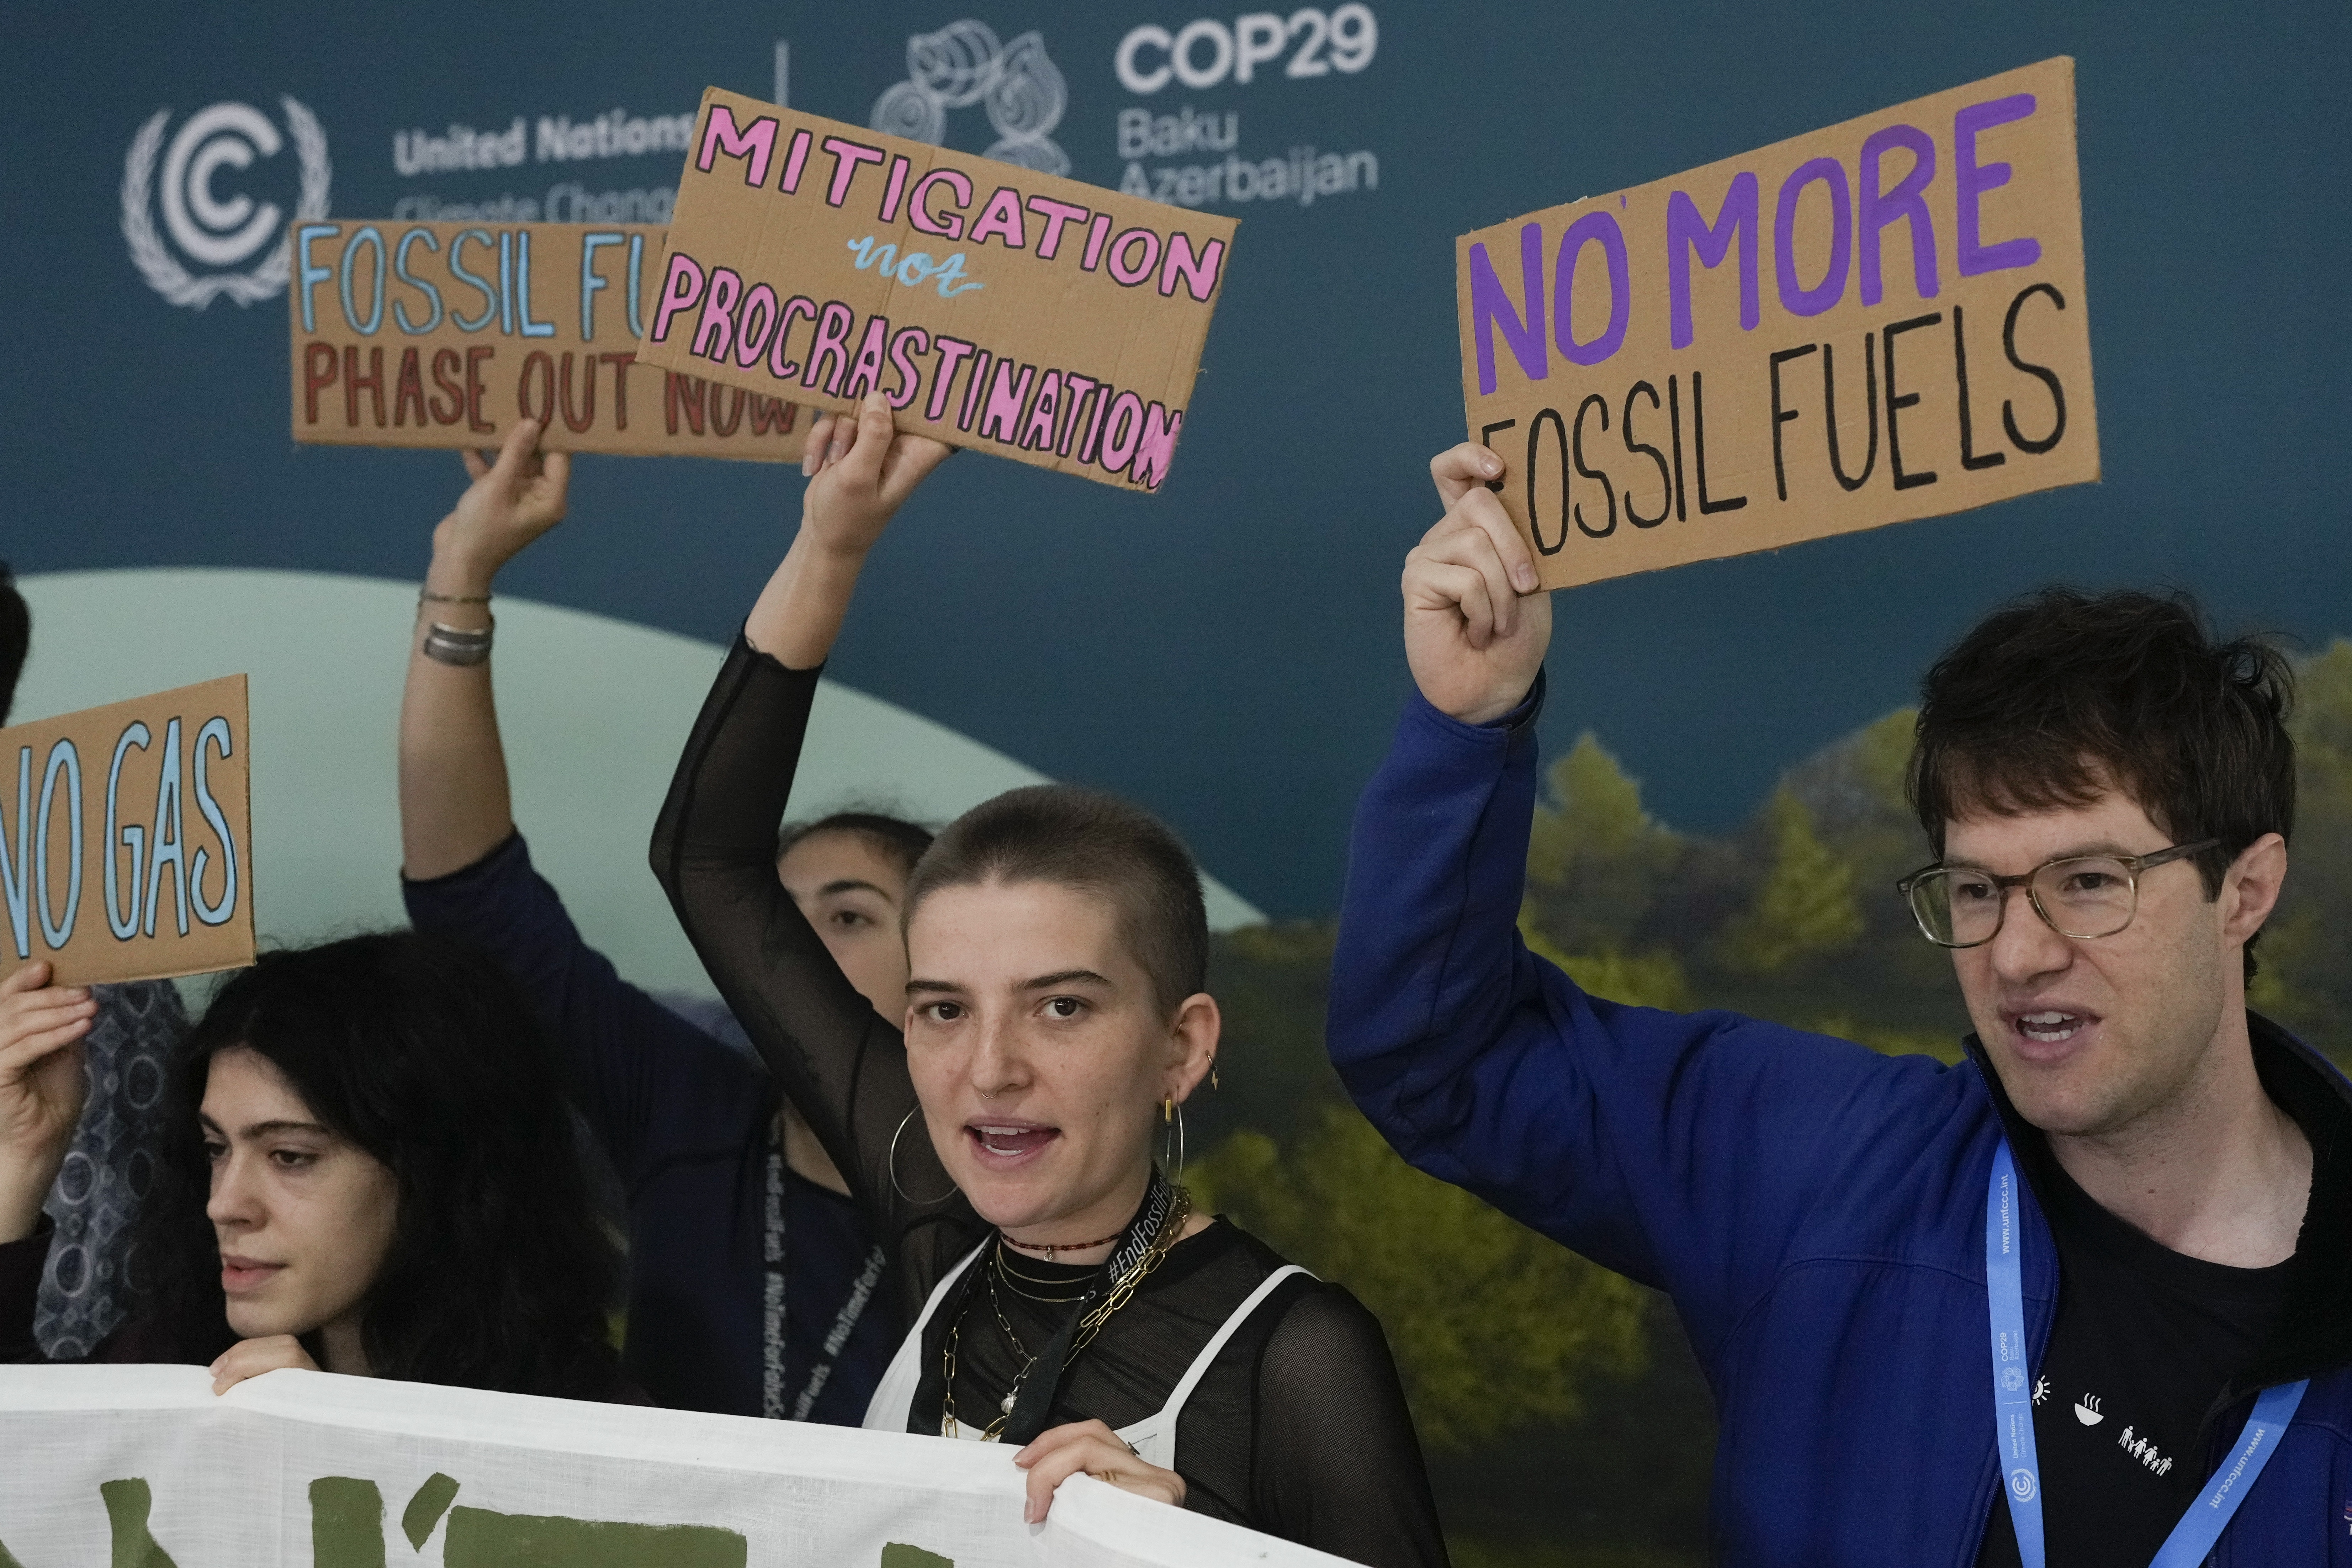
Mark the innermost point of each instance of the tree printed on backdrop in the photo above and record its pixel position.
(216, 233)
(964, 64)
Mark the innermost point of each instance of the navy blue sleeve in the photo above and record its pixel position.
(1685, 1151)
(648, 1082)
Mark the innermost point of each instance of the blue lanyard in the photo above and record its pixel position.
(2012, 1403)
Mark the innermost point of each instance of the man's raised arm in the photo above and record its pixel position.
(1681, 1150)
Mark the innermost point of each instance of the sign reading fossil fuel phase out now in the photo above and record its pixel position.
(444, 334)
(1010, 311)
(1878, 321)
(125, 847)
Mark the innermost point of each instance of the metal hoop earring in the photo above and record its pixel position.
(1176, 1126)
(903, 1193)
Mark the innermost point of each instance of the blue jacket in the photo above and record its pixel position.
(1816, 1210)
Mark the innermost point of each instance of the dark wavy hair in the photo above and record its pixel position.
(2060, 696)
(422, 1052)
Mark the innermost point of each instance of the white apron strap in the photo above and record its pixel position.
(894, 1396)
(1153, 1438)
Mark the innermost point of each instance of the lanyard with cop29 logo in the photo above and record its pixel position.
(2013, 1400)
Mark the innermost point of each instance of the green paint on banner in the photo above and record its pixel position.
(346, 1523)
(128, 1504)
(481, 1539)
(897, 1554)
(5, 1560)
(426, 1509)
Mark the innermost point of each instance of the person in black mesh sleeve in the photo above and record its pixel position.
(1058, 1291)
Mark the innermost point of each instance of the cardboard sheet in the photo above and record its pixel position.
(1877, 321)
(1001, 309)
(126, 849)
(444, 334)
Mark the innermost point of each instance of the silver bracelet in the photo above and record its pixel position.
(426, 596)
(453, 645)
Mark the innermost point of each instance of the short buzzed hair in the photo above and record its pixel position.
(1092, 843)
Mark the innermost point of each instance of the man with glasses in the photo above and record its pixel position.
(2084, 1299)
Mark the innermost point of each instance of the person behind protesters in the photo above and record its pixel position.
(1059, 1292)
(2106, 793)
(751, 1271)
(366, 1168)
(95, 1200)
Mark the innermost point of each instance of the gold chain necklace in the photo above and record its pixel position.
(1172, 1228)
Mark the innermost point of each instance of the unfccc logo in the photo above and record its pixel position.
(217, 233)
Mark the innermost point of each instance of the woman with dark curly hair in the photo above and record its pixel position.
(367, 1170)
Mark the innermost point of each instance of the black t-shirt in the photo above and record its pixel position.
(2145, 1340)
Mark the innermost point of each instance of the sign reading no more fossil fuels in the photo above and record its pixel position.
(444, 334)
(1015, 312)
(1873, 322)
(126, 850)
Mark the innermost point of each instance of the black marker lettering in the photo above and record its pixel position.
(1666, 479)
(1781, 416)
(1698, 454)
(2049, 378)
(1902, 481)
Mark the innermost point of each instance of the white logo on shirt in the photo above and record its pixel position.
(2087, 1411)
(2142, 1450)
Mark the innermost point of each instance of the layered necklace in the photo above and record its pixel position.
(1145, 1241)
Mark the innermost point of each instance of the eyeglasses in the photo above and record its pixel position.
(2077, 896)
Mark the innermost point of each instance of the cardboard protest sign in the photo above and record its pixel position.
(146, 1466)
(1878, 321)
(1000, 308)
(444, 334)
(125, 847)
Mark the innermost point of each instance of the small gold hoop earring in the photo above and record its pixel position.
(903, 1193)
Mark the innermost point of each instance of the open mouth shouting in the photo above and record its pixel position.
(1008, 1144)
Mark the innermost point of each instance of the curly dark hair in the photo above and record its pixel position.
(2060, 696)
(422, 1052)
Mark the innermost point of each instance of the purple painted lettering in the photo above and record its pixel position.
(1688, 232)
(1796, 299)
(1490, 307)
(1971, 180)
(1600, 228)
(1906, 200)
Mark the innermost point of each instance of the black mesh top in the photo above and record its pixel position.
(1299, 1429)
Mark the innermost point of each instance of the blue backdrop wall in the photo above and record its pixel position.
(1225, 651)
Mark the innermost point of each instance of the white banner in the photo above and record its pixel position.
(143, 1466)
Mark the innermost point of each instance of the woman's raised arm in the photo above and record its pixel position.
(714, 847)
